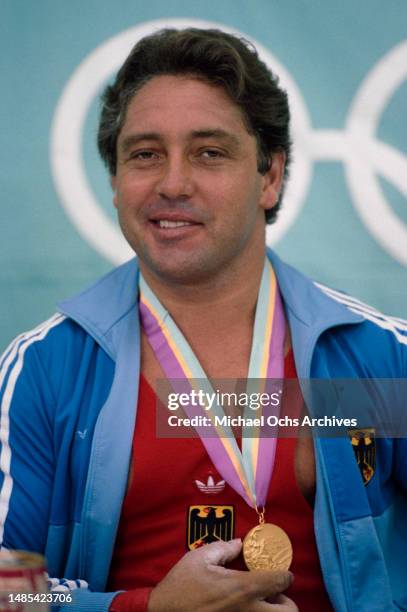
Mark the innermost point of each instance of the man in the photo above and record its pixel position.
(195, 135)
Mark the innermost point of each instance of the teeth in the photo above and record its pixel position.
(164, 223)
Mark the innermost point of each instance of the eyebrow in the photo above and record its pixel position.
(133, 139)
(216, 133)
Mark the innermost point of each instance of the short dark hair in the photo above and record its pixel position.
(217, 58)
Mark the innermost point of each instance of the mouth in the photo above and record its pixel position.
(167, 224)
(177, 227)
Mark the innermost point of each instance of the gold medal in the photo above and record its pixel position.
(267, 546)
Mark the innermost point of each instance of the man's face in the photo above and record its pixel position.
(189, 197)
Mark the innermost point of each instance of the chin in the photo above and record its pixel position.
(187, 266)
(185, 275)
(183, 270)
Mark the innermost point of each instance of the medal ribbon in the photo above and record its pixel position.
(247, 471)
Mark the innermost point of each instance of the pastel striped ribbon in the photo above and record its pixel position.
(248, 471)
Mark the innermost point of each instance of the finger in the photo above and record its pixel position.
(286, 605)
(268, 583)
(282, 603)
(219, 553)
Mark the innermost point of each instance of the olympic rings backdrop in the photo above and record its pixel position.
(344, 64)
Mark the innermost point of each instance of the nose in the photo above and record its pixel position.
(175, 181)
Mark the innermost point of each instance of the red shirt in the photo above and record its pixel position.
(156, 513)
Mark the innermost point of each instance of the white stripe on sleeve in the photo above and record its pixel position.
(12, 365)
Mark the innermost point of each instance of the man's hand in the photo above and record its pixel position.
(200, 583)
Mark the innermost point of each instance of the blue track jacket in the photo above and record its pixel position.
(68, 398)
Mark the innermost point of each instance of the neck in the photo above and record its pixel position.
(218, 303)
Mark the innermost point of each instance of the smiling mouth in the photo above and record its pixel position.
(166, 224)
(174, 224)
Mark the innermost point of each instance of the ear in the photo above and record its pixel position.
(273, 181)
(113, 186)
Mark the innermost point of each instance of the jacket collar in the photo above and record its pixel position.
(100, 308)
(309, 310)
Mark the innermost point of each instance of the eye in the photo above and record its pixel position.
(211, 154)
(143, 155)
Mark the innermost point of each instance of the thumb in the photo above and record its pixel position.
(219, 553)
